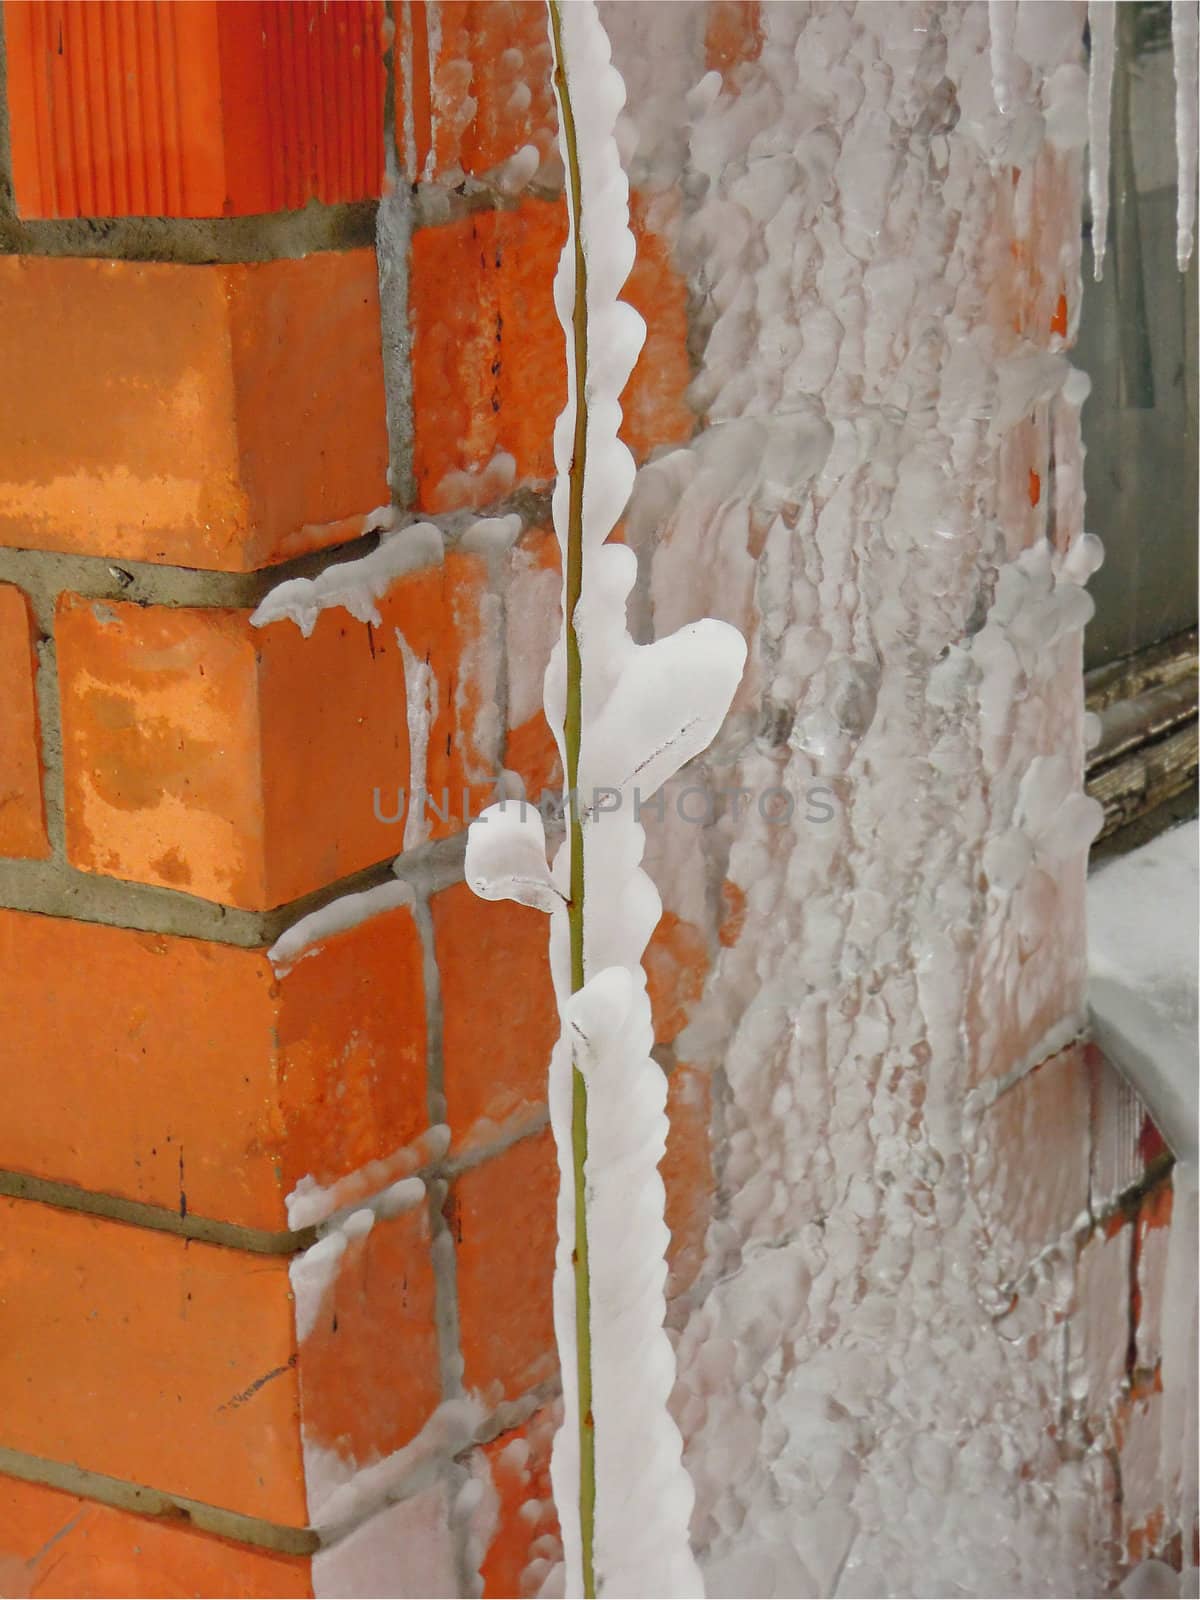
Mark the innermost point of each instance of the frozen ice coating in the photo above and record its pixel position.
(356, 585)
(305, 937)
(506, 857)
(1185, 41)
(1102, 21)
(886, 500)
(421, 696)
(646, 710)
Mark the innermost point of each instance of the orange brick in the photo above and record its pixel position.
(241, 764)
(533, 618)
(485, 92)
(532, 753)
(734, 34)
(503, 1217)
(22, 817)
(676, 963)
(183, 1074)
(733, 912)
(489, 372)
(52, 1544)
(222, 416)
(369, 1363)
(654, 403)
(526, 1541)
(204, 110)
(500, 1018)
(489, 369)
(150, 1358)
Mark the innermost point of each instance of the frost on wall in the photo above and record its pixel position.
(881, 234)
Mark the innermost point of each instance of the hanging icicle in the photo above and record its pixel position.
(1185, 38)
(1102, 21)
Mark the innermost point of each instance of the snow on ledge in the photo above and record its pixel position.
(1142, 917)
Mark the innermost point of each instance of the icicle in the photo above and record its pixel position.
(1002, 25)
(1102, 21)
(1185, 18)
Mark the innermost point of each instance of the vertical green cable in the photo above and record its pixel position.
(572, 728)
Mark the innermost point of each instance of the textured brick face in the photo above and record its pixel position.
(479, 88)
(526, 1543)
(489, 373)
(182, 1074)
(160, 747)
(150, 1358)
(368, 1365)
(202, 110)
(52, 1543)
(22, 817)
(503, 1217)
(241, 764)
(499, 1016)
(224, 417)
(488, 365)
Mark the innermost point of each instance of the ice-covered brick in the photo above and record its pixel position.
(1031, 1162)
(1099, 1328)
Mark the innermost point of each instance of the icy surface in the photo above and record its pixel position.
(1142, 913)
(886, 499)
(421, 695)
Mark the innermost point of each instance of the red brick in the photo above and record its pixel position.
(369, 1363)
(22, 815)
(503, 1217)
(52, 1544)
(241, 764)
(225, 416)
(654, 403)
(144, 108)
(150, 1358)
(488, 364)
(489, 369)
(733, 913)
(500, 1020)
(676, 963)
(184, 1074)
(485, 91)
(526, 1541)
(734, 34)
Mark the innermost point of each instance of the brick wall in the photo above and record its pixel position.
(196, 412)
(245, 1350)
